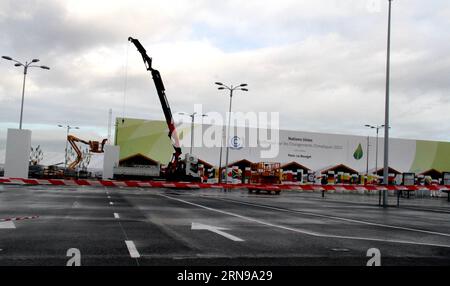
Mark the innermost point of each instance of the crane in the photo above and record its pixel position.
(176, 169)
(94, 147)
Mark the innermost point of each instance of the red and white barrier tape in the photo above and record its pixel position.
(18, 218)
(190, 185)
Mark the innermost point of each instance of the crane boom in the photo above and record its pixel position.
(94, 147)
(164, 103)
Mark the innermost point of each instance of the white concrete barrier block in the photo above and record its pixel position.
(18, 149)
(110, 160)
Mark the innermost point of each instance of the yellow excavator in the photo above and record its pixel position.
(94, 147)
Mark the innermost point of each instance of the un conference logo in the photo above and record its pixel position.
(236, 143)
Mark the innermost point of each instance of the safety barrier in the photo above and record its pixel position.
(190, 185)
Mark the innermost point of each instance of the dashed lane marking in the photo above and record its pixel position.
(116, 215)
(132, 249)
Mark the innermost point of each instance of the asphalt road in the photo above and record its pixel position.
(114, 226)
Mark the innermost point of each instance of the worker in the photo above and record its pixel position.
(324, 180)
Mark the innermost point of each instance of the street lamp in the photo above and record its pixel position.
(386, 115)
(25, 69)
(192, 115)
(231, 89)
(67, 135)
(377, 127)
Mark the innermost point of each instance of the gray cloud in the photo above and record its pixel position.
(321, 64)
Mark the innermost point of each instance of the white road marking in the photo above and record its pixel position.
(341, 218)
(111, 203)
(426, 209)
(7, 225)
(132, 249)
(297, 230)
(116, 215)
(215, 229)
(109, 197)
(341, 249)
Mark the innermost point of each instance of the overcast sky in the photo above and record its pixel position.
(320, 64)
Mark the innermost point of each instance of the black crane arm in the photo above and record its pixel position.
(163, 99)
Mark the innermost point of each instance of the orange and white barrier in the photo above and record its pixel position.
(191, 185)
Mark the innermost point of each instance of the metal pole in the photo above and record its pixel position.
(65, 156)
(220, 158)
(109, 125)
(192, 131)
(25, 67)
(228, 134)
(367, 165)
(376, 167)
(376, 154)
(386, 121)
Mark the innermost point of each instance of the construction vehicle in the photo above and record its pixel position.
(265, 173)
(53, 172)
(94, 147)
(177, 169)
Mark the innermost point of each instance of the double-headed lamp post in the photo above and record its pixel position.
(192, 115)
(377, 127)
(67, 135)
(231, 88)
(25, 70)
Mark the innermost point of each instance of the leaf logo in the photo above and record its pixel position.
(358, 152)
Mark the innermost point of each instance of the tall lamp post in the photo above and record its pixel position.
(67, 135)
(231, 89)
(25, 70)
(386, 119)
(192, 115)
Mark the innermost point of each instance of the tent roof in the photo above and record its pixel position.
(334, 167)
(431, 172)
(239, 162)
(138, 156)
(295, 165)
(381, 170)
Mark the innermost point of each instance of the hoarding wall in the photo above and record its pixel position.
(313, 150)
